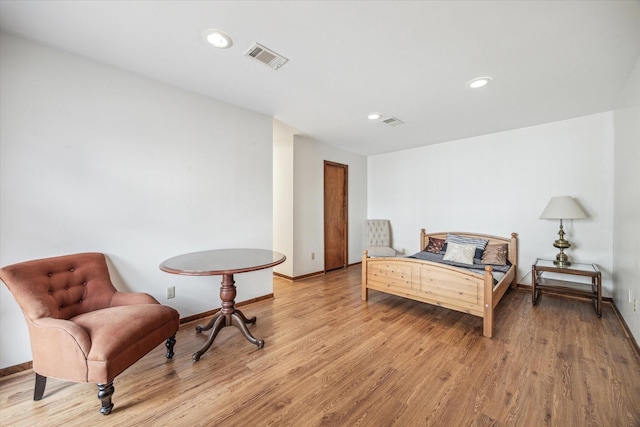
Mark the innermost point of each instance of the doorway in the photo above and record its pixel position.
(335, 215)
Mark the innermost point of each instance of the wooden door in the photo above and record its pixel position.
(335, 215)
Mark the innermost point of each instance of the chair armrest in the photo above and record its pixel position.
(57, 330)
(131, 298)
(59, 348)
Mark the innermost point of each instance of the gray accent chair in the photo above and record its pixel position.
(378, 238)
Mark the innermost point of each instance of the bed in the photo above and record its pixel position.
(438, 276)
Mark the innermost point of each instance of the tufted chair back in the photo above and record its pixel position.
(61, 287)
(378, 235)
(378, 232)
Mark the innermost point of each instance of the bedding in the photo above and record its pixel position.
(479, 244)
(473, 283)
(498, 270)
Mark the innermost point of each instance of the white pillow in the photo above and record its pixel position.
(460, 253)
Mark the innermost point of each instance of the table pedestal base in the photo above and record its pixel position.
(227, 316)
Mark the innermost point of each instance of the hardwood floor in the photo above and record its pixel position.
(331, 359)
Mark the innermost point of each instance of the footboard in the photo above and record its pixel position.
(425, 281)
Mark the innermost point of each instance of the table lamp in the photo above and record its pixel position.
(562, 207)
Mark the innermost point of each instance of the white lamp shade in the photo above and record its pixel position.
(563, 207)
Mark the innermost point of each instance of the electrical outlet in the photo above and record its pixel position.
(313, 255)
(171, 292)
(635, 305)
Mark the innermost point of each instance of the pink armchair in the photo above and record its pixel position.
(81, 328)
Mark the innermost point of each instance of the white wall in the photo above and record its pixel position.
(500, 183)
(308, 226)
(283, 184)
(299, 174)
(626, 236)
(96, 159)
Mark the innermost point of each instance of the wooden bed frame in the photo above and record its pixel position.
(441, 284)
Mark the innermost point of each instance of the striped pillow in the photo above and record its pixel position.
(480, 244)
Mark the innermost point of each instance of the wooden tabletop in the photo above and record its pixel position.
(217, 262)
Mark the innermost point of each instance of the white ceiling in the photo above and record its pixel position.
(550, 60)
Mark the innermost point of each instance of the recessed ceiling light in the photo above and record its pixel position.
(218, 38)
(374, 116)
(479, 82)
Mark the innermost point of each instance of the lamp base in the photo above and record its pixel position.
(561, 260)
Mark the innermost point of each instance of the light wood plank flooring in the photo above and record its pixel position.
(331, 359)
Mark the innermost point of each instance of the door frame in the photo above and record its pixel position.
(345, 191)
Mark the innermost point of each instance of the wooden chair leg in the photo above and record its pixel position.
(41, 383)
(171, 341)
(105, 391)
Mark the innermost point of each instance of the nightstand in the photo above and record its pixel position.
(541, 282)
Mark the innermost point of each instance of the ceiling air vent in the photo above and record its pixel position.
(392, 121)
(266, 56)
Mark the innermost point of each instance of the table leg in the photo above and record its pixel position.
(599, 303)
(227, 316)
(200, 328)
(240, 321)
(244, 319)
(219, 323)
(534, 294)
